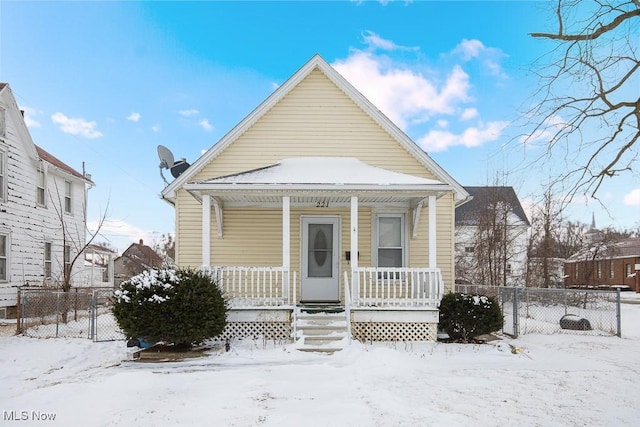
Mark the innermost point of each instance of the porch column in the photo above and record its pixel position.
(432, 232)
(286, 244)
(206, 231)
(354, 247)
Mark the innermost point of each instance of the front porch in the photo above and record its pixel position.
(380, 304)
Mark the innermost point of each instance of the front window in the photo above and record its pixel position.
(47, 260)
(67, 196)
(4, 254)
(599, 269)
(390, 240)
(627, 270)
(40, 187)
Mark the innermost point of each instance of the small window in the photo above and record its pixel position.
(469, 249)
(390, 244)
(67, 261)
(40, 187)
(599, 269)
(3, 174)
(627, 270)
(47, 260)
(576, 272)
(4, 256)
(612, 271)
(509, 269)
(67, 196)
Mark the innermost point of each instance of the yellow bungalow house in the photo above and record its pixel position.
(316, 201)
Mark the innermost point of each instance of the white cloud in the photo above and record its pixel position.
(134, 117)
(155, 128)
(545, 132)
(488, 56)
(443, 123)
(204, 124)
(120, 231)
(376, 42)
(468, 49)
(188, 113)
(29, 120)
(632, 198)
(76, 126)
(469, 113)
(403, 94)
(440, 140)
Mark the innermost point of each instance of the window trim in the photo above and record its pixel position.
(41, 170)
(66, 260)
(403, 237)
(7, 255)
(46, 261)
(68, 197)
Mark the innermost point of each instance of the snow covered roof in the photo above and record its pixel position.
(323, 170)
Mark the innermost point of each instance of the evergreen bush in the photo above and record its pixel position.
(463, 317)
(181, 306)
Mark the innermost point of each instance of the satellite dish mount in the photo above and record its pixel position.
(167, 161)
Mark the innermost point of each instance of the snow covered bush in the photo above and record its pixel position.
(180, 306)
(464, 317)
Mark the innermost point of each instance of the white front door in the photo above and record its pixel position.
(320, 259)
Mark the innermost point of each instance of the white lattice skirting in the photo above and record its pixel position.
(393, 331)
(270, 331)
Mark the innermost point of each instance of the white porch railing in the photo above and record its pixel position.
(396, 287)
(255, 286)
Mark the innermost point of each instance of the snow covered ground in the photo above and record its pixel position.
(549, 380)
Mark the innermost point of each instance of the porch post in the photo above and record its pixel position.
(206, 231)
(286, 245)
(432, 232)
(354, 249)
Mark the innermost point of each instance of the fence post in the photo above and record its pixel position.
(618, 314)
(516, 314)
(92, 316)
(19, 314)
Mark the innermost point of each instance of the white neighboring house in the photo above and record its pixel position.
(40, 196)
(491, 236)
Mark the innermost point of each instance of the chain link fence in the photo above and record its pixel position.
(79, 313)
(551, 311)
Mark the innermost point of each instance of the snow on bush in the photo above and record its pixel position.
(463, 317)
(178, 306)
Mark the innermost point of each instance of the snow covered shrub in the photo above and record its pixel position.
(464, 317)
(183, 307)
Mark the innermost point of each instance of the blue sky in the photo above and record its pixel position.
(106, 82)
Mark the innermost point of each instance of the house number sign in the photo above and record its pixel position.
(322, 204)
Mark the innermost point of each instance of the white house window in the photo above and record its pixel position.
(40, 187)
(67, 260)
(3, 173)
(4, 256)
(47, 260)
(67, 196)
(390, 240)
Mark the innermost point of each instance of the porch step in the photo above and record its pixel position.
(321, 331)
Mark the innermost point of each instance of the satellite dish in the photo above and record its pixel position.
(167, 161)
(166, 157)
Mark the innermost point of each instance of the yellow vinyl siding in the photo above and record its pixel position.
(314, 119)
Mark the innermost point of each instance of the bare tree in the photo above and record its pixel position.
(588, 100)
(74, 238)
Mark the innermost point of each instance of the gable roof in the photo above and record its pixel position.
(316, 62)
(482, 197)
(142, 256)
(53, 160)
